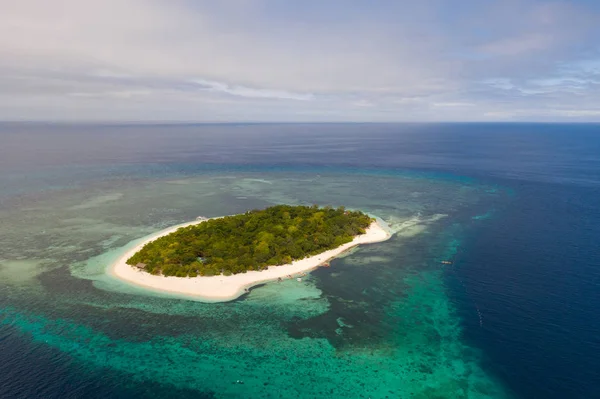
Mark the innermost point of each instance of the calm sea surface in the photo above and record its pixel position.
(514, 207)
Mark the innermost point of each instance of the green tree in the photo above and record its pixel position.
(251, 241)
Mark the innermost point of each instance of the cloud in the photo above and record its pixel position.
(114, 94)
(286, 61)
(514, 46)
(252, 92)
(363, 103)
(453, 104)
(578, 112)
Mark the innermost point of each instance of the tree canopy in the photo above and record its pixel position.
(251, 241)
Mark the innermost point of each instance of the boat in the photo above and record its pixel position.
(446, 262)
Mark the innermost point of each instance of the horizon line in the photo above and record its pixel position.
(171, 122)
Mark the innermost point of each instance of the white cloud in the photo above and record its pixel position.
(513, 46)
(499, 83)
(577, 113)
(240, 59)
(114, 94)
(363, 103)
(252, 92)
(453, 104)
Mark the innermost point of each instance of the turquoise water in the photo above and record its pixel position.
(378, 323)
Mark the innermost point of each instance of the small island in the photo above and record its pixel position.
(254, 240)
(218, 259)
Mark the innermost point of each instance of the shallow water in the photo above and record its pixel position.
(378, 322)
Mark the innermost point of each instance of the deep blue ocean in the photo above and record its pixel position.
(524, 286)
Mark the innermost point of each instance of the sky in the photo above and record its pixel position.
(304, 61)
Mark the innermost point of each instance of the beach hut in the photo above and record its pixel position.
(141, 266)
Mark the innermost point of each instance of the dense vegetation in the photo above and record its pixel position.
(251, 241)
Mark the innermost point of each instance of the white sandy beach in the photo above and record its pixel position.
(225, 288)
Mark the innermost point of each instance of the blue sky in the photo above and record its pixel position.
(310, 60)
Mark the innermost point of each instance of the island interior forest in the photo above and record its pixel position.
(254, 240)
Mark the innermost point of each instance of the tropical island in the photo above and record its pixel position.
(254, 240)
(218, 259)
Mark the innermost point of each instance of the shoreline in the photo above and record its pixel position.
(226, 288)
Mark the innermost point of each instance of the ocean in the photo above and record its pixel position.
(489, 287)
